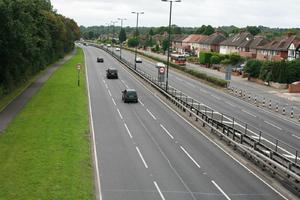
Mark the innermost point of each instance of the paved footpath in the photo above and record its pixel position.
(278, 96)
(12, 109)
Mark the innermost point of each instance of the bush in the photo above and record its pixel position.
(253, 68)
(266, 71)
(193, 59)
(204, 58)
(293, 71)
(133, 42)
(215, 59)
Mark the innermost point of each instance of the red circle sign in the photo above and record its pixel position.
(162, 70)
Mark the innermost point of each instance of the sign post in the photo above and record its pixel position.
(78, 74)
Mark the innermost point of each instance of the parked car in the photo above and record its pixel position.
(112, 73)
(108, 45)
(100, 60)
(186, 54)
(129, 95)
(117, 49)
(138, 60)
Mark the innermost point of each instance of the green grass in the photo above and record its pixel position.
(45, 152)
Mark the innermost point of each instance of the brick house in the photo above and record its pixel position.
(212, 42)
(191, 43)
(236, 43)
(251, 50)
(294, 50)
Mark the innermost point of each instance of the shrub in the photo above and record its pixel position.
(204, 58)
(253, 68)
(293, 71)
(215, 59)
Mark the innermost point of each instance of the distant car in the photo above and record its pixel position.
(117, 49)
(112, 73)
(108, 45)
(138, 60)
(129, 95)
(186, 54)
(100, 60)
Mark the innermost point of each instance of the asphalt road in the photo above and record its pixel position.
(146, 151)
(256, 118)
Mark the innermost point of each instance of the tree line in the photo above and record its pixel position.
(32, 36)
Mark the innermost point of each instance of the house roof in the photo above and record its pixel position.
(213, 39)
(242, 39)
(258, 41)
(279, 44)
(194, 38)
(179, 38)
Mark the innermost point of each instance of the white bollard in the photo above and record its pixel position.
(292, 113)
(276, 107)
(283, 110)
(264, 102)
(270, 104)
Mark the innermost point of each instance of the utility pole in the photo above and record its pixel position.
(136, 32)
(121, 19)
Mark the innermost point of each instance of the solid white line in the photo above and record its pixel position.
(113, 101)
(128, 130)
(109, 92)
(150, 113)
(171, 136)
(160, 193)
(141, 103)
(272, 125)
(190, 156)
(142, 157)
(248, 113)
(119, 113)
(93, 133)
(220, 189)
(106, 86)
(210, 139)
(216, 97)
(230, 104)
(296, 136)
(103, 81)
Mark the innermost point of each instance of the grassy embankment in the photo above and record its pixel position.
(45, 151)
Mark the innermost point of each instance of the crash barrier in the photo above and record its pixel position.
(262, 102)
(268, 152)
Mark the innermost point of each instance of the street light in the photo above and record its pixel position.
(169, 40)
(113, 23)
(136, 32)
(108, 24)
(121, 19)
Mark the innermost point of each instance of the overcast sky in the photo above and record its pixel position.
(188, 13)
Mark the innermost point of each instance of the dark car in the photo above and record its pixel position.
(129, 95)
(111, 73)
(100, 60)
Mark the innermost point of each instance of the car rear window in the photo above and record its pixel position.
(131, 93)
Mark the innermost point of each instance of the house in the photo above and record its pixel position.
(177, 42)
(212, 42)
(191, 43)
(250, 50)
(294, 50)
(236, 43)
(277, 49)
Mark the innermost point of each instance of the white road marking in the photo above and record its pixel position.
(141, 103)
(109, 92)
(220, 189)
(106, 86)
(298, 137)
(216, 97)
(128, 130)
(113, 101)
(93, 133)
(190, 156)
(103, 81)
(160, 193)
(171, 136)
(289, 156)
(120, 113)
(272, 125)
(150, 113)
(142, 157)
(230, 104)
(248, 113)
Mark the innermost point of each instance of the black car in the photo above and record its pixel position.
(112, 73)
(100, 60)
(129, 95)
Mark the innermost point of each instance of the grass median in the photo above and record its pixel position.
(45, 151)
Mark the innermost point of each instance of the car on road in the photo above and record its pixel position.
(117, 49)
(100, 60)
(108, 45)
(112, 73)
(138, 60)
(129, 95)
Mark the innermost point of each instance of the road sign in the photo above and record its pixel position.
(161, 70)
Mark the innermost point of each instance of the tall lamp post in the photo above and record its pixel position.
(121, 19)
(113, 23)
(107, 30)
(169, 40)
(136, 32)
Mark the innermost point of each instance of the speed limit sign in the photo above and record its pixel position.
(162, 70)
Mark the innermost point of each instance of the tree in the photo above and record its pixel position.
(122, 35)
(151, 32)
(208, 30)
(133, 42)
(165, 45)
(253, 30)
(201, 29)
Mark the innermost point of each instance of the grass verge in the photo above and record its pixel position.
(45, 151)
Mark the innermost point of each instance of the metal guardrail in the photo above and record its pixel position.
(266, 147)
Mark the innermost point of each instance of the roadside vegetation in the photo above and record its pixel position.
(45, 151)
(32, 36)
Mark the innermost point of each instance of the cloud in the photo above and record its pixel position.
(273, 13)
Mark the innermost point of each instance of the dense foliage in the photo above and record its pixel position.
(32, 36)
(209, 58)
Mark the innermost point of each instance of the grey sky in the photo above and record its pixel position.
(188, 13)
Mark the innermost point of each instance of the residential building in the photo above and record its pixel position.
(236, 43)
(294, 50)
(191, 43)
(177, 42)
(212, 42)
(250, 49)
